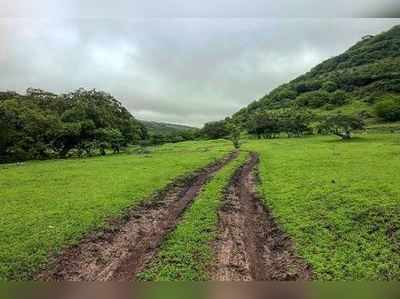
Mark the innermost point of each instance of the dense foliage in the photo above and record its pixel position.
(224, 129)
(341, 125)
(272, 124)
(366, 73)
(389, 109)
(215, 130)
(40, 124)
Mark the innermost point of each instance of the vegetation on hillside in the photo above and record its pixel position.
(367, 73)
(41, 125)
(165, 129)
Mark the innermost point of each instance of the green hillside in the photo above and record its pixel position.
(365, 77)
(157, 128)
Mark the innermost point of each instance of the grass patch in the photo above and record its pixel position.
(49, 204)
(186, 253)
(340, 201)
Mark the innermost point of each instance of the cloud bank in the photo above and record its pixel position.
(181, 70)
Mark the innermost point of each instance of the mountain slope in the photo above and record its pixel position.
(158, 128)
(352, 82)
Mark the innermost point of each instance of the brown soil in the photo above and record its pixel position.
(123, 249)
(251, 246)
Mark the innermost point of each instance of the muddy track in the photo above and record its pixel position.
(122, 250)
(250, 245)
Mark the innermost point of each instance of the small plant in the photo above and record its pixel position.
(234, 135)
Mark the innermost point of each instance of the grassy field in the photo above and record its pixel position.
(45, 205)
(340, 201)
(186, 254)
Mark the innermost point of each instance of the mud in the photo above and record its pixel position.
(250, 244)
(122, 250)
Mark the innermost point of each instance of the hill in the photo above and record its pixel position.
(158, 128)
(354, 82)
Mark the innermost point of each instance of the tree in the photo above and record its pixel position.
(296, 122)
(234, 134)
(264, 125)
(341, 125)
(215, 130)
(41, 125)
(388, 109)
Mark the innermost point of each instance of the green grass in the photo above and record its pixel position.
(340, 201)
(187, 253)
(46, 205)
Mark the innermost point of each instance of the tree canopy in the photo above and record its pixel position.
(40, 124)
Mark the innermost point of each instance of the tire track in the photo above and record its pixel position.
(124, 248)
(251, 246)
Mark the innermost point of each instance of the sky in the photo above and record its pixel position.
(174, 63)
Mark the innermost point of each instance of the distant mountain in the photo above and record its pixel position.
(353, 82)
(158, 128)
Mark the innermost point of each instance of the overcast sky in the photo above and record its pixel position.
(181, 70)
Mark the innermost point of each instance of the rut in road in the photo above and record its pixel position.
(250, 245)
(122, 250)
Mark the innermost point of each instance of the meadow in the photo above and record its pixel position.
(45, 205)
(339, 201)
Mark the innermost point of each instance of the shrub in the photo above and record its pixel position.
(313, 99)
(329, 86)
(388, 109)
(338, 98)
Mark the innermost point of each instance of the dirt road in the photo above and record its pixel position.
(251, 246)
(123, 249)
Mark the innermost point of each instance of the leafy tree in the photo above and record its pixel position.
(215, 130)
(388, 109)
(296, 122)
(264, 125)
(234, 134)
(341, 125)
(41, 125)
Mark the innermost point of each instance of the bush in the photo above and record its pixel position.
(313, 99)
(329, 86)
(388, 109)
(338, 98)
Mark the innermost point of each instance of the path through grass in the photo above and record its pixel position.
(45, 205)
(187, 252)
